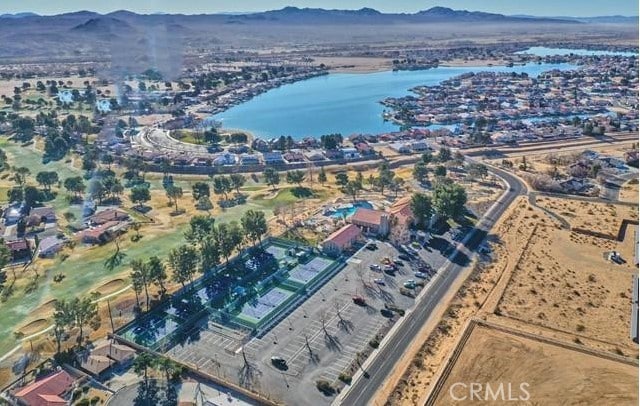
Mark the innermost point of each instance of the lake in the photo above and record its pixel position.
(544, 51)
(343, 103)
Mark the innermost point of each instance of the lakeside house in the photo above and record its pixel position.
(371, 221)
(271, 158)
(341, 240)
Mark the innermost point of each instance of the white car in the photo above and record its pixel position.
(379, 281)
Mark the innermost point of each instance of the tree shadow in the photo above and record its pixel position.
(301, 192)
(332, 342)
(248, 375)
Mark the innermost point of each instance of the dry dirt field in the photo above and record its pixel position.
(563, 282)
(579, 298)
(556, 375)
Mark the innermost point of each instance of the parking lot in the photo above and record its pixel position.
(320, 338)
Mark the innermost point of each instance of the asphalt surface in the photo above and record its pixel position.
(363, 389)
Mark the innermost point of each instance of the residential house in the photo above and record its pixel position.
(50, 246)
(108, 215)
(370, 221)
(19, 249)
(350, 153)
(419, 146)
(39, 215)
(400, 147)
(48, 391)
(224, 159)
(364, 148)
(341, 240)
(293, 156)
(12, 214)
(103, 233)
(314, 155)
(104, 355)
(239, 149)
(271, 158)
(249, 159)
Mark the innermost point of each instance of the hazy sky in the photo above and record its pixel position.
(580, 8)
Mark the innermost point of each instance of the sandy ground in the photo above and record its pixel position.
(555, 375)
(563, 282)
(354, 64)
(412, 379)
(629, 192)
(575, 288)
(598, 217)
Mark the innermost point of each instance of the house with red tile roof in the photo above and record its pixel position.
(341, 240)
(48, 391)
(370, 221)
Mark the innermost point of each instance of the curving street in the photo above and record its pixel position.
(379, 368)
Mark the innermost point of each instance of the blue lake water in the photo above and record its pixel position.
(544, 51)
(343, 103)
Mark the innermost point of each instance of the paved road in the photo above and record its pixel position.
(363, 389)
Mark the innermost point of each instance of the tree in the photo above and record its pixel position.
(296, 177)
(444, 155)
(420, 172)
(229, 237)
(440, 171)
(20, 176)
(322, 176)
(75, 185)
(157, 273)
(221, 186)
(254, 224)
(422, 209)
(449, 200)
(396, 185)
(140, 279)
(209, 253)
(199, 228)
(140, 195)
(352, 188)
(24, 128)
(478, 170)
(271, 177)
(342, 179)
(46, 179)
(62, 320)
(15, 194)
(237, 181)
(184, 262)
(141, 366)
(427, 157)
(200, 189)
(84, 311)
(174, 193)
(31, 196)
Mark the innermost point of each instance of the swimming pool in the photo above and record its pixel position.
(346, 210)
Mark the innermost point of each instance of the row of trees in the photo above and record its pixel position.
(207, 244)
(69, 314)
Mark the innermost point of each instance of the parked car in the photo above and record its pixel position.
(372, 246)
(398, 262)
(379, 281)
(359, 300)
(389, 271)
(279, 362)
(410, 284)
(389, 268)
(404, 257)
(375, 267)
(386, 313)
(421, 275)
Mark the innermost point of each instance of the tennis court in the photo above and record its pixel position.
(254, 311)
(305, 273)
